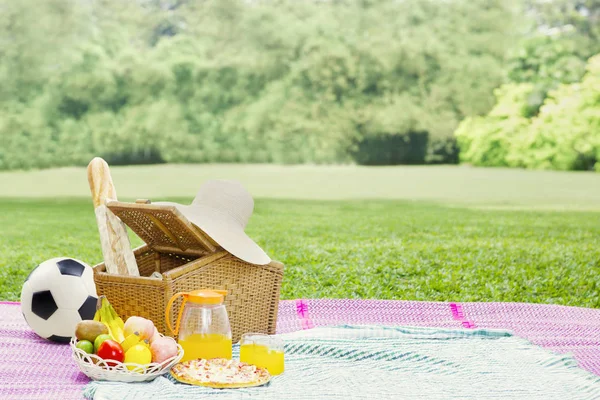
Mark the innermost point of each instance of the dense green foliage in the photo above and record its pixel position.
(564, 135)
(554, 49)
(363, 249)
(548, 117)
(286, 81)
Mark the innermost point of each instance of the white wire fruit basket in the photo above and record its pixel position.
(99, 369)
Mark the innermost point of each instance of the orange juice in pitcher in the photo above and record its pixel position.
(207, 346)
(202, 325)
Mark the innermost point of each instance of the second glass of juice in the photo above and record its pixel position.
(264, 351)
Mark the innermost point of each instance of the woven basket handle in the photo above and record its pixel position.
(168, 312)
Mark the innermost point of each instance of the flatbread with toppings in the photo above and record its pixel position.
(220, 373)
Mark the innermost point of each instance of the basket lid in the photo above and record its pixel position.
(163, 228)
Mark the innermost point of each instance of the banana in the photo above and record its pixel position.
(104, 318)
(97, 314)
(116, 331)
(115, 317)
(109, 317)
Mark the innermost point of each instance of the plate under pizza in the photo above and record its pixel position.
(220, 373)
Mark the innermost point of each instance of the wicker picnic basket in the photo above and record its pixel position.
(187, 259)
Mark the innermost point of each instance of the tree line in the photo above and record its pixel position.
(290, 81)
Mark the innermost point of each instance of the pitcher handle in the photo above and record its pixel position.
(168, 312)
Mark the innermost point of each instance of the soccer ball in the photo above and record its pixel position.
(57, 295)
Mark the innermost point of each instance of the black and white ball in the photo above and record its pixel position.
(58, 294)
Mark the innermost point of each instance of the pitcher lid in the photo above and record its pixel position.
(206, 296)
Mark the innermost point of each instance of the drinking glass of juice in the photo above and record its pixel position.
(264, 351)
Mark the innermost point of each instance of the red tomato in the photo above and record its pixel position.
(111, 350)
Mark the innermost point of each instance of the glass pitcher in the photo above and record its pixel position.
(202, 325)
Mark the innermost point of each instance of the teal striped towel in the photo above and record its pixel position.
(375, 362)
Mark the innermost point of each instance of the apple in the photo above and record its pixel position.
(111, 350)
(99, 340)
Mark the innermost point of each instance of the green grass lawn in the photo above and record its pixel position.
(449, 185)
(437, 246)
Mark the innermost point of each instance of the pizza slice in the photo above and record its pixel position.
(220, 373)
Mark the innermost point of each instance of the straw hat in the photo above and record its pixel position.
(222, 210)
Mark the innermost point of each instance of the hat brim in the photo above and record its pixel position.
(224, 230)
